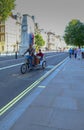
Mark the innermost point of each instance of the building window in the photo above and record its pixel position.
(2, 22)
(2, 48)
(2, 38)
(2, 29)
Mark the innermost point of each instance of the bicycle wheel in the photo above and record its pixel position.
(23, 68)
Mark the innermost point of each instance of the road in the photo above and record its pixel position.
(12, 82)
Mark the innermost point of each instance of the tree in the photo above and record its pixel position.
(39, 42)
(74, 33)
(6, 6)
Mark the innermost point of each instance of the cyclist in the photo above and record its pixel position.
(31, 52)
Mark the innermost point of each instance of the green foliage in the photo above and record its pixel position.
(74, 33)
(6, 6)
(39, 42)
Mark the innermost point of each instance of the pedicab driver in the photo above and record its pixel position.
(31, 51)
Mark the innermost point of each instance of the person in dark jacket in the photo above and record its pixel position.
(31, 52)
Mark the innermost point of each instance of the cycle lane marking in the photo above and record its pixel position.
(28, 89)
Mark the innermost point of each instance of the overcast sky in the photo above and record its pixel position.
(52, 15)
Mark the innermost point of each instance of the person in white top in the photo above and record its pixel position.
(79, 53)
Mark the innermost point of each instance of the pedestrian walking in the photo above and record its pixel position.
(75, 53)
(79, 53)
(70, 53)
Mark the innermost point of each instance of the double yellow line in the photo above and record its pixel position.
(22, 94)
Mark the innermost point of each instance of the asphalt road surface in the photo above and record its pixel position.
(12, 82)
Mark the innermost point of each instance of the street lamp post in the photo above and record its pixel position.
(6, 42)
(16, 50)
(18, 25)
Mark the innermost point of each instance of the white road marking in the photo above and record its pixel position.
(10, 66)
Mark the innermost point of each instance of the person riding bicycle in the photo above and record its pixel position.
(30, 57)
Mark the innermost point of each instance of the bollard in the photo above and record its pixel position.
(15, 55)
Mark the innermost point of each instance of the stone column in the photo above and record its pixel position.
(24, 35)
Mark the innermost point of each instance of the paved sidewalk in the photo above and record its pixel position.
(60, 105)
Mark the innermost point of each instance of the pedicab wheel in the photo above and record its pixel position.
(23, 68)
(44, 65)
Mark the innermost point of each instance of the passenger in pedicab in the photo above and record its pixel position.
(39, 57)
(40, 54)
